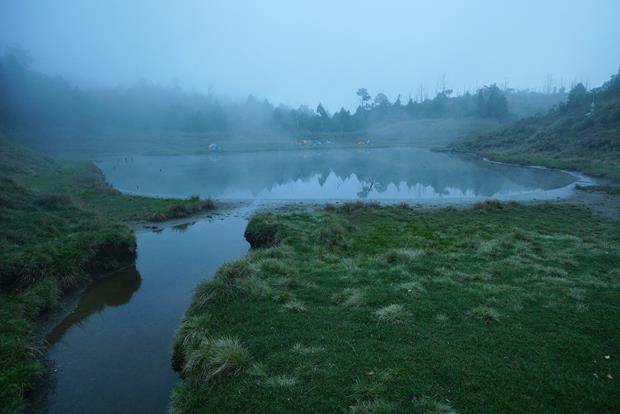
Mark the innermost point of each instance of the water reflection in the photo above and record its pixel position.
(182, 227)
(115, 289)
(417, 174)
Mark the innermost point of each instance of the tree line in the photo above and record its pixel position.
(34, 100)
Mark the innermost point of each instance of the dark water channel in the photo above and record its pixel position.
(112, 353)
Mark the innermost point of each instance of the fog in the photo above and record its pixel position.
(319, 51)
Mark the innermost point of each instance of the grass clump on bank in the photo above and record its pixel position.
(496, 308)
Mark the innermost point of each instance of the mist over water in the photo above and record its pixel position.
(374, 174)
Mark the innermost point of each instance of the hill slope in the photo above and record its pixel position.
(569, 136)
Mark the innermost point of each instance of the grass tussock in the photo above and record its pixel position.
(401, 255)
(413, 287)
(230, 280)
(334, 235)
(350, 297)
(305, 350)
(442, 318)
(487, 314)
(376, 406)
(394, 313)
(295, 305)
(282, 381)
(185, 208)
(217, 357)
(430, 406)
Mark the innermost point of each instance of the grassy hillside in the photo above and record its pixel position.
(360, 309)
(59, 225)
(565, 137)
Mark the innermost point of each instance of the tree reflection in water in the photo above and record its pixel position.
(115, 290)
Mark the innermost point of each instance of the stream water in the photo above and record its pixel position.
(112, 353)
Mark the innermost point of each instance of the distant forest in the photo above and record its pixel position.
(32, 100)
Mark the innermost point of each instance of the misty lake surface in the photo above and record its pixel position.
(112, 353)
(375, 174)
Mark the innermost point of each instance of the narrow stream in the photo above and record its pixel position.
(112, 353)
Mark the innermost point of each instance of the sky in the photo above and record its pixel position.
(309, 52)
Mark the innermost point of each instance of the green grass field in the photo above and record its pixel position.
(496, 308)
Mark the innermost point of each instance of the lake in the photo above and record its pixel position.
(375, 174)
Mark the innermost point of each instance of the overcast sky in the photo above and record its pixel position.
(315, 51)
